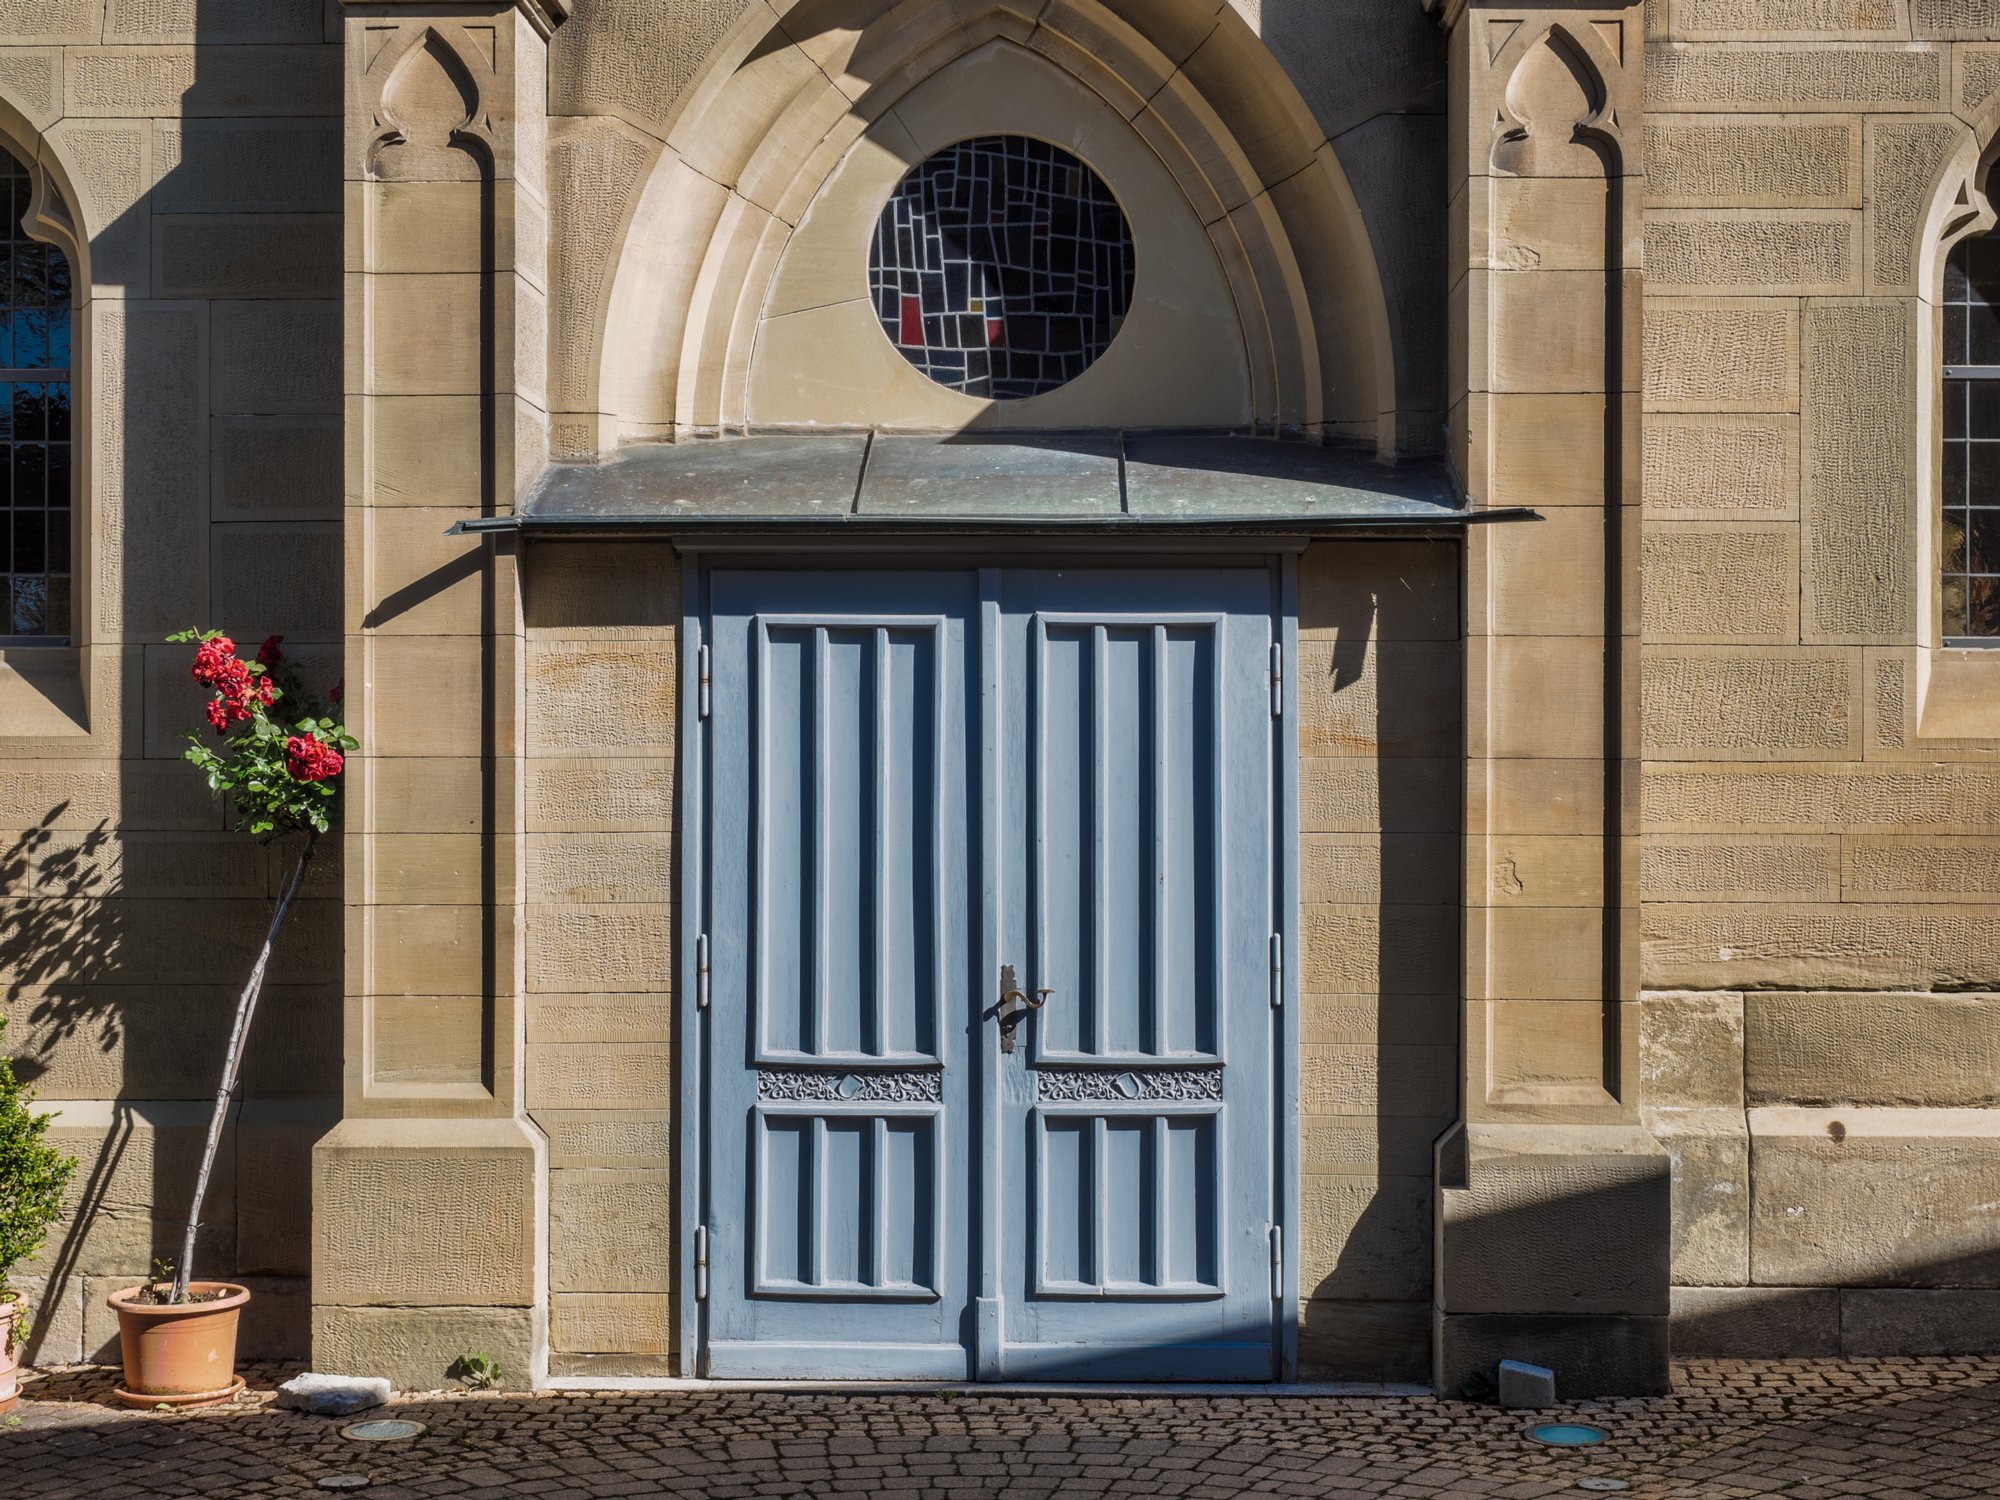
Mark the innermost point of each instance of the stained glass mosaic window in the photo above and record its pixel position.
(1002, 267)
(35, 525)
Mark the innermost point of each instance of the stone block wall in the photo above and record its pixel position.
(198, 146)
(603, 621)
(1380, 692)
(1818, 925)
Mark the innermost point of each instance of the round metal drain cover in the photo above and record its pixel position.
(1566, 1434)
(1602, 1484)
(344, 1482)
(383, 1430)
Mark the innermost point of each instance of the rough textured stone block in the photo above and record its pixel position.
(1691, 1050)
(1879, 1321)
(1387, 591)
(1712, 583)
(1754, 250)
(1860, 521)
(246, 255)
(1756, 1322)
(1763, 17)
(600, 1075)
(1904, 165)
(1710, 1151)
(599, 168)
(599, 590)
(176, 82)
(277, 579)
(600, 796)
(607, 1138)
(214, 21)
(150, 422)
(1721, 356)
(1709, 465)
(1826, 947)
(1365, 1239)
(1875, 1197)
(600, 867)
(52, 20)
(275, 469)
(1798, 162)
(566, 682)
(620, 949)
(1795, 77)
(610, 1231)
(1731, 867)
(415, 1347)
(1358, 795)
(1568, 1219)
(1365, 1341)
(1834, 798)
(440, 1215)
(1921, 869)
(247, 167)
(1947, 19)
(275, 357)
(1720, 703)
(1595, 1356)
(631, 1323)
(1940, 1051)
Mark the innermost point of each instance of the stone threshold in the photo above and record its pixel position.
(1316, 1390)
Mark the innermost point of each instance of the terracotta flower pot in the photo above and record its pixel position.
(179, 1355)
(10, 1364)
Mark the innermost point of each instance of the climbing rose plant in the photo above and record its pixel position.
(277, 755)
(279, 750)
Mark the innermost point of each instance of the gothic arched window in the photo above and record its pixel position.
(36, 526)
(1969, 579)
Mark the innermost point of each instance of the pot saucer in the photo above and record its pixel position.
(179, 1401)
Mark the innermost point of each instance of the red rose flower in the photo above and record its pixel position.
(213, 659)
(310, 758)
(218, 716)
(268, 654)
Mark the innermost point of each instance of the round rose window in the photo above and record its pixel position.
(1002, 267)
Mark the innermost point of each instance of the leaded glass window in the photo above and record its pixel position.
(1002, 267)
(35, 520)
(1970, 579)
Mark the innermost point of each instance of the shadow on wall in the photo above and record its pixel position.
(208, 388)
(1375, 77)
(1380, 1067)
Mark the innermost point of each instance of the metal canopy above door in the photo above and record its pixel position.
(943, 810)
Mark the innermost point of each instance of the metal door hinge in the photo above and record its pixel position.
(1277, 1262)
(1277, 970)
(1277, 682)
(701, 1263)
(701, 682)
(701, 972)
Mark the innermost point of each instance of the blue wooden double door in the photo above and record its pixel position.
(990, 1016)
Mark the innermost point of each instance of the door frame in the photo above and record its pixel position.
(981, 556)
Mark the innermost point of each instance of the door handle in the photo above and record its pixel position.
(1015, 1005)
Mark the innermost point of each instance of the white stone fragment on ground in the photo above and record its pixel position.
(332, 1395)
(1526, 1386)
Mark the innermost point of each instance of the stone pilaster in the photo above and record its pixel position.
(430, 1200)
(1552, 1231)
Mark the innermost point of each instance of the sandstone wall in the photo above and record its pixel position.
(1819, 806)
(200, 145)
(603, 622)
(1380, 691)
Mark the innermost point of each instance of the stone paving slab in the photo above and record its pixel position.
(1887, 1429)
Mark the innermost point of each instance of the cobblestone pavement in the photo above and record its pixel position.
(1888, 1428)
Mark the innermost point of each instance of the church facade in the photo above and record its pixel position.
(1086, 690)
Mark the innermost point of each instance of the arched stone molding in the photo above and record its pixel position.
(1929, 194)
(696, 209)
